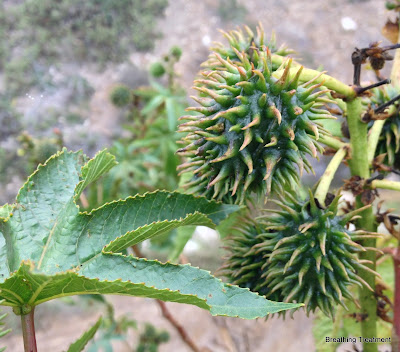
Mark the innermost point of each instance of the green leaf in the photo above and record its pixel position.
(80, 344)
(50, 249)
(153, 104)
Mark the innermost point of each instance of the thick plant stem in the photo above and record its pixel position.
(359, 166)
(28, 331)
(396, 312)
(386, 184)
(327, 177)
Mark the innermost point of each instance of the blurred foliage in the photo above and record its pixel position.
(157, 69)
(146, 153)
(111, 328)
(116, 329)
(9, 117)
(2, 331)
(37, 150)
(231, 11)
(151, 338)
(121, 96)
(35, 34)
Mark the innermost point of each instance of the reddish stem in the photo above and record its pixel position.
(28, 331)
(179, 328)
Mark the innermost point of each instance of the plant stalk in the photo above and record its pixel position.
(386, 184)
(327, 177)
(328, 81)
(28, 331)
(373, 139)
(395, 77)
(332, 142)
(396, 307)
(359, 166)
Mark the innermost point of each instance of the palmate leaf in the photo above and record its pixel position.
(50, 249)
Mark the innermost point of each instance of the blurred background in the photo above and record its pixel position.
(98, 74)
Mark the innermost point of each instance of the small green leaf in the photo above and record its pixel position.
(80, 344)
(98, 166)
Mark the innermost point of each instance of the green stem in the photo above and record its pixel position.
(332, 142)
(328, 81)
(373, 139)
(327, 177)
(359, 166)
(395, 77)
(396, 310)
(386, 184)
(28, 331)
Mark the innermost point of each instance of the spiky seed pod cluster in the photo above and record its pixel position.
(304, 254)
(389, 141)
(243, 266)
(256, 125)
(244, 41)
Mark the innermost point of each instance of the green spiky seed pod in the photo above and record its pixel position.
(256, 125)
(157, 69)
(244, 41)
(244, 267)
(121, 96)
(176, 51)
(304, 254)
(389, 140)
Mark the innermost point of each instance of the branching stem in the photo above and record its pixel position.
(327, 177)
(359, 166)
